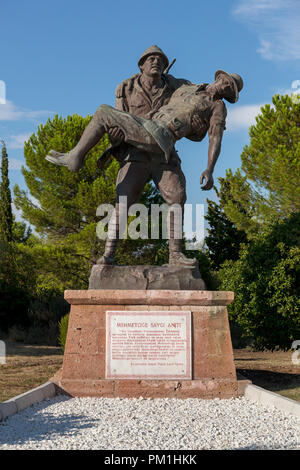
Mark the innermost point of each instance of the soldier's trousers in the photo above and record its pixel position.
(131, 180)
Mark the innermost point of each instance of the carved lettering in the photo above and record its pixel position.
(148, 345)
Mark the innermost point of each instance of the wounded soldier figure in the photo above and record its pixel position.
(193, 110)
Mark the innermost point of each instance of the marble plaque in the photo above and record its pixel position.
(148, 345)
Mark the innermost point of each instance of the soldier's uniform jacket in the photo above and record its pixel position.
(190, 101)
(132, 98)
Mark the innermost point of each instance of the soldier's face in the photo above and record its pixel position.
(153, 65)
(224, 85)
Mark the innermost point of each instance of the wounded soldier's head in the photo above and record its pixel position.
(229, 85)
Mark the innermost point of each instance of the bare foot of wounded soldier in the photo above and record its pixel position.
(74, 159)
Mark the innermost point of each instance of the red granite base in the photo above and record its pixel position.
(213, 370)
(206, 388)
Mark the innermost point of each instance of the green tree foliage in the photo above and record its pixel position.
(267, 187)
(224, 239)
(266, 284)
(62, 206)
(262, 202)
(6, 217)
(15, 282)
(20, 232)
(14, 279)
(63, 329)
(33, 276)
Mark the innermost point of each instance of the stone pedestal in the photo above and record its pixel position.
(212, 366)
(146, 278)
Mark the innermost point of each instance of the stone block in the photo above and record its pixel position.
(89, 315)
(87, 340)
(268, 398)
(89, 388)
(145, 278)
(48, 390)
(8, 408)
(148, 297)
(253, 392)
(83, 366)
(28, 398)
(213, 371)
(296, 410)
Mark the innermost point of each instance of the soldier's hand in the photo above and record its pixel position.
(116, 135)
(208, 178)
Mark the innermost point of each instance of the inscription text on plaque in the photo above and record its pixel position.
(149, 345)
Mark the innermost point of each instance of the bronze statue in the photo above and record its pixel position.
(153, 111)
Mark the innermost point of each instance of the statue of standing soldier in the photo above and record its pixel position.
(145, 147)
(142, 95)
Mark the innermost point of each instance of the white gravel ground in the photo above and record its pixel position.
(151, 424)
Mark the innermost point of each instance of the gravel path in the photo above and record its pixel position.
(151, 424)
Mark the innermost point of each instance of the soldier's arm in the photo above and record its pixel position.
(121, 101)
(115, 134)
(216, 129)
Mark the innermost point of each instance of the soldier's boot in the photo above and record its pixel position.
(74, 159)
(176, 257)
(108, 257)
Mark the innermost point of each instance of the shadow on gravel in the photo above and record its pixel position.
(35, 424)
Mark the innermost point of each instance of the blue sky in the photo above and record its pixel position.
(65, 57)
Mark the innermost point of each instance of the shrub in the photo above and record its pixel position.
(63, 328)
(265, 281)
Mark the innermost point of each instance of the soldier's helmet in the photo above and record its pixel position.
(153, 50)
(237, 85)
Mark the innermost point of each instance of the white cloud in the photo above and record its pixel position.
(17, 213)
(256, 7)
(2, 92)
(17, 141)
(293, 91)
(15, 164)
(276, 24)
(10, 112)
(242, 117)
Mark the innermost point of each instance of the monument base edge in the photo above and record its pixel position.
(204, 388)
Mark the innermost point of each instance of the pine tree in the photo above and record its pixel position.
(6, 217)
(224, 239)
(265, 281)
(263, 200)
(266, 189)
(62, 205)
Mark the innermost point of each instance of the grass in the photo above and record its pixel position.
(273, 371)
(28, 366)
